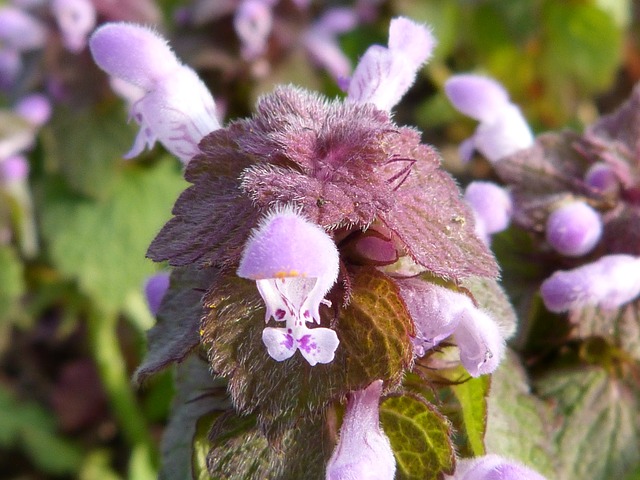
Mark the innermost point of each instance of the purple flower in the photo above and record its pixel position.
(502, 130)
(177, 109)
(322, 45)
(19, 31)
(574, 229)
(492, 207)
(602, 178)
(439, 312)
(294, 263)
(384, 75)
(492, 467)
(253, 21)
(155, 288)
(76, 19)
(363, 451)
(609, 282)
(34, 108)
(14, 169)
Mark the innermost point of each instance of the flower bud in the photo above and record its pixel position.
(34, 108)
(363, 451)
(76, 19)
(155, 289)
(492, 467)
(574, 229)
(492, 207)
(609, 282)
(602, 178)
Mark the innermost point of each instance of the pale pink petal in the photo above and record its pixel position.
(476, 96)
(480, 342)
(76, 19)
(363, 451)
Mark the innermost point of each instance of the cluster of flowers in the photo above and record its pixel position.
(319, 191)
(580, 199)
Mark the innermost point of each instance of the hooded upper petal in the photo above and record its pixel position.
(363, 451)
(493, 467)
(384, 75)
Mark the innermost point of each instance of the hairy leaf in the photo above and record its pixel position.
(599, 432)
(176, 332)
(198, 395)
(420, 438)
(101, 243)
(374, 344)
(518, 423)
(620, 326)
(430, 219)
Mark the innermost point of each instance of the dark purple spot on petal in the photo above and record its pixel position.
(280, 313)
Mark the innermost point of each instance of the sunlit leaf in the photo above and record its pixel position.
(420, 438)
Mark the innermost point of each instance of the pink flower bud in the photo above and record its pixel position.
(574, 229)
(155, 289)
(14, 169)
(363, 451)
(34, 108)
(609, 282)
(602, 178)
(19, 31)
(491, 205)
(492, 467)
(76, 19)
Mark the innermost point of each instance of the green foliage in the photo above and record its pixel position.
(420, 438)
(12, 284)
(32, 429)
(102, 243)
(518, 423)
(598, 432)
(472, 396)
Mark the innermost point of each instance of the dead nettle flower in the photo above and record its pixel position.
(341, 175)
(155, 288)
(492, 207)
(609, 282)
(294, 263)
(502, 130)
(176, 109)
(253, 21)
(439, 312)
(76, 19)
(19, 32)
(363, 450)
(492, 467)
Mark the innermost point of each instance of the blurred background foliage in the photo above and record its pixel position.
(72, 313)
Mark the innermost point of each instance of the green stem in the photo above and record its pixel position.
(115, 380)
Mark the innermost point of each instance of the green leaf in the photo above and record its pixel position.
(420, 438)
(518, 423)
(102, 243)
(374, 344)
(11, 283)
(84, 145)
(581, 42)
(198, 395)
(620, 326)
(599, 431)
(472, 395)
(28, 426)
